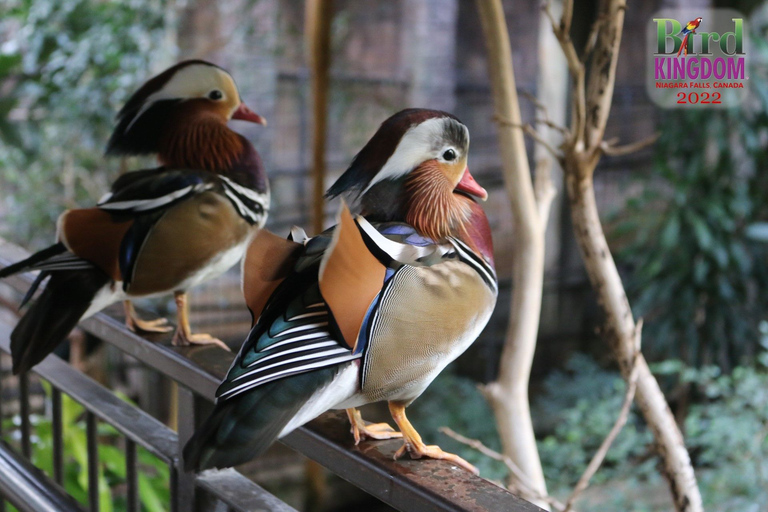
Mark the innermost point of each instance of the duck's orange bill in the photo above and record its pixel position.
(468, 185)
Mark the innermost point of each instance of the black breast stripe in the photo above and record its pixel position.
(482, 267)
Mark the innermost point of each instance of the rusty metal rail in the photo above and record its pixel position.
(405, 484)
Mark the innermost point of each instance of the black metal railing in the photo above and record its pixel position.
(197, 371)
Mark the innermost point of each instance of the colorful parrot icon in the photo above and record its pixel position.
(690, 28)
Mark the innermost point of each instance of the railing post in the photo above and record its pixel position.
(183, 486)
(58, 436)
(190, 412)
(24, 412)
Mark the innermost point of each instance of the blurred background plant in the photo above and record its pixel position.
(65, 70)
(696, 275)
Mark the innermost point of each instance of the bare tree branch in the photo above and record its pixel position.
(508, 396)
(582, 154)
(531, 131)
(544, 188)
(629, 396)
(525, 485)
(546, 120)
(612, 150)
(575, 67)
(589, 46)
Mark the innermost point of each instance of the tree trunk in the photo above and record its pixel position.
(509, 394)
(319, 14)
(620, 333)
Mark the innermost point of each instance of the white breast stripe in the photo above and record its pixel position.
(141, 205)
(251, 205)
(290, 371)
(403, 253)
(481, 267)
(262, 199)
(241, 208)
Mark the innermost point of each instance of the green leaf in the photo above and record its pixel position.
(149, 497)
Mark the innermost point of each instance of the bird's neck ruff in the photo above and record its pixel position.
(431, 205)
(436, 211)
(200, 140)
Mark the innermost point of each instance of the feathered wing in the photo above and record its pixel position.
(101, 245)
(310, 329)
(288, 355)
(65, 299)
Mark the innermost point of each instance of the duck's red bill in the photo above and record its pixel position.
(469, 186)
(243, 113)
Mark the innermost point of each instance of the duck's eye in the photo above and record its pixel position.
(215, 94)
(449, 155)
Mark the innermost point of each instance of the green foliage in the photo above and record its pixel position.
(65, 69)
(154, 475)
(726, 432)
(696, 275)
(576, 411)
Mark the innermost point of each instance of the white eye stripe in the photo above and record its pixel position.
(420, 143)
(194, 81)
(416, 146)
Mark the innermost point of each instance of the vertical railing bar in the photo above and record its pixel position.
(93, 461)
(2, 501)
(131, 476)
(1, 401)
(183, 488)
(58, 436)
(26, 429)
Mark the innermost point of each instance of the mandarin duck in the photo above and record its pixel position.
(370, 310)
(158, 230)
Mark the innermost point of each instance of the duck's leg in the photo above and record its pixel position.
(136, 324)
(183, 335)
(362, 430)
(415, 447)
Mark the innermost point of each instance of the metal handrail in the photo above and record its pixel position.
(404, 484)
(28, 488)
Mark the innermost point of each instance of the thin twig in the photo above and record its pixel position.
(526, 486)
(626, 149)
(528, 129)
(599, 456)
(536, 103)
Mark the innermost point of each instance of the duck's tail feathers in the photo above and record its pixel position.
(244, 426)
(54, 314)
(33, 261)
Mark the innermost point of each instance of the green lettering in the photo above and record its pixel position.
(662, 35)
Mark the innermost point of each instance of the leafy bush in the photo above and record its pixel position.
(693, 272)
(726, 432)
(575, 412)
